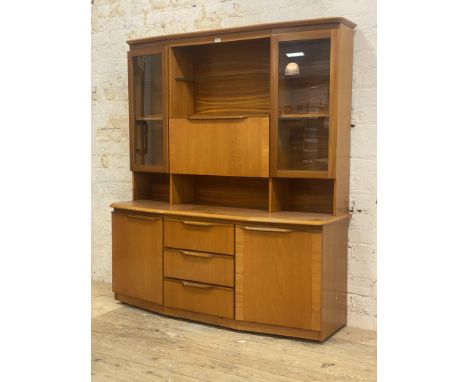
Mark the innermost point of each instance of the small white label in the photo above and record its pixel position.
(217, 39)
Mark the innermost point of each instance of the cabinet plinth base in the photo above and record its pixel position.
(224, 322)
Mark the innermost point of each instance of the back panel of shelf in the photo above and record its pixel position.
(221, 79)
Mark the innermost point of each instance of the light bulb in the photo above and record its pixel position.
(292, 69)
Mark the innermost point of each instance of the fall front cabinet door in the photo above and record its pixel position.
(137, 256)
(278, 276)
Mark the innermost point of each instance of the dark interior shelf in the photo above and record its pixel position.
(317, 114)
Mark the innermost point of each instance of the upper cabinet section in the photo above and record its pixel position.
(148, 143)
(301, 126)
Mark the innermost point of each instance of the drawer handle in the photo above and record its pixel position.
(201, 224)
(196, 285)
(196, 254)
(264, 229)
(142, 217)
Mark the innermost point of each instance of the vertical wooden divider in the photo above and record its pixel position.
(181, 189)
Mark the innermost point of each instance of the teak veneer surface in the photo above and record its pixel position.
(227, 213)
(209, 268)
(137, 256)
(233, 147)
(278, 277)
(247, 28)
(199, 236)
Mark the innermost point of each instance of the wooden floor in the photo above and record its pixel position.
(130, 344)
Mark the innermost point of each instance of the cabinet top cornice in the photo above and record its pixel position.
(247, 28)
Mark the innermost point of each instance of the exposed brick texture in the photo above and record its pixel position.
(114, 22)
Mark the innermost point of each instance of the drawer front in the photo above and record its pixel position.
(200, 298)
(231, 147)
(199, 266)
(199, 236)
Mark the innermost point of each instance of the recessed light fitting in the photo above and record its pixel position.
(295, 54)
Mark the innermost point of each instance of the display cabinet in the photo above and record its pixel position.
(239, 148)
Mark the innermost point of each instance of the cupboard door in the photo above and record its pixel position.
(137, 256)
(147, 112)
(278, 276)
(300, 113)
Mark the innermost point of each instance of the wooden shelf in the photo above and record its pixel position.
(228, 213)
(317, 114)
(157, 117)
(220, 76)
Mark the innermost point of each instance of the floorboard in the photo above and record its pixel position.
(131, 344)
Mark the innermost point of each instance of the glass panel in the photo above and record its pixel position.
(304, 76)
(304, 81)
(147, 79)
(149, 143)
(303, 144)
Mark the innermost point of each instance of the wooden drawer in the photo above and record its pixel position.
(199, 266)
(197, 297)
(231, 147)
(199, 236)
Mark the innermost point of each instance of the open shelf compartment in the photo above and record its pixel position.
(231, 78)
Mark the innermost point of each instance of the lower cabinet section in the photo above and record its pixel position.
(278, 276)
(272, 278)
(198, 297)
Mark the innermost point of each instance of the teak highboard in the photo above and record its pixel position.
(239, 149)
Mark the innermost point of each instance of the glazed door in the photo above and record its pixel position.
(137, 256)
(148, 124)
(278, 276)
(302, 90)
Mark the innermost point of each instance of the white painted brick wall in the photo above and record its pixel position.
(114, 22)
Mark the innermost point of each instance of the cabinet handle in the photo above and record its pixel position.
(201, 224)
(196, 285)
(265, 229)
(196, 254)
(142, 217)
(209, 117)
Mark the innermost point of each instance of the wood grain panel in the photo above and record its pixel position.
(278, 276)
(199, 235)
(223, 147)
(197, 297)
(181, 189)
(344, 92)
(151, 186)
(232, 77)
(334, 277)
(244, 93)
(314, 195)
(137, 256)
(181, 93)
(203, 267)
(231, 191)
